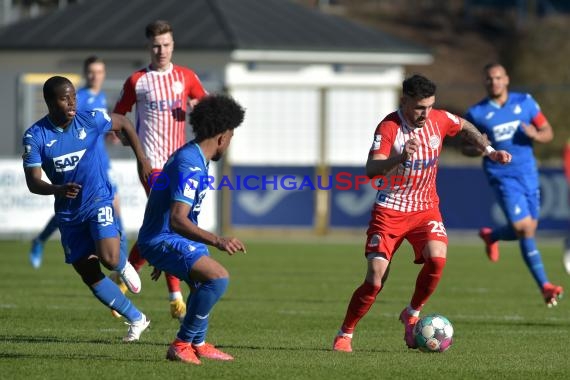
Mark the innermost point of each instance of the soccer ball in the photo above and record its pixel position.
(433, 333)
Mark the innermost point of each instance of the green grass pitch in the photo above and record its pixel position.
(278, 318)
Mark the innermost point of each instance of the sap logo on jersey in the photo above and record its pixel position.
(68, 161)
(505, 131)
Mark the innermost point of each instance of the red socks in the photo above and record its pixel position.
(427, 281)
(363, 297)
(173, 283)
(135, 258)
(361, 301)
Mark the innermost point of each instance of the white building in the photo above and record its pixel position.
(314, 85)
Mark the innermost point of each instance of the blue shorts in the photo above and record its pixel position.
(174, 255)
(518, 197)
(78, 240)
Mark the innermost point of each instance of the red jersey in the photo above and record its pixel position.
(410, 186)
(162, 99)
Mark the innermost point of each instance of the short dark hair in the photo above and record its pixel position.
(215, 114)
(90, 60)
(418, 87)
(491, 65)
(157, 28)
(51, 84)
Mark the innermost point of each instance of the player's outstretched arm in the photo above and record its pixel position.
(37, 185)
(180, 224)
(470, 150)
(124, 126)
(473, 137)
(500, 156)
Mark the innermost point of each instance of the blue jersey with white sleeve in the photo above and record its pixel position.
(502, 124)
(71, 155)
(184, 178)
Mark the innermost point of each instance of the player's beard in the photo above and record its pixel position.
(217, 156)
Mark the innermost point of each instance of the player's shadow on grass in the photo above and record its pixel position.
(71, 340)
(78, 356)
(113, 342)
(307, 349)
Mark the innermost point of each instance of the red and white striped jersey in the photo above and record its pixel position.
(410, 186)
(162, 99)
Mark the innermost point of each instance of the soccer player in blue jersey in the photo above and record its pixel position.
(170, 239)
(513, 121)
(65, 145)
(89, 97)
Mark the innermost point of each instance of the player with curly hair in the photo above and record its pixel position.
(170, 239)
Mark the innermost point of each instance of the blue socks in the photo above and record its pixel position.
(504, 233)
(48, 230)
(529, 251)
(533, 260)
(109, 294)
(200, 303)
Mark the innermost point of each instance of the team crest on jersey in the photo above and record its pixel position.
(517, 109)
(434, 141)
(82, 134)
(177, 87)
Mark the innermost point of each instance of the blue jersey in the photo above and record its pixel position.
(184, 178)
(504, 130)
(71, 155)
(88, 101)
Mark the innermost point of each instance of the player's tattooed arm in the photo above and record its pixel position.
(470, 134)
(473, 142)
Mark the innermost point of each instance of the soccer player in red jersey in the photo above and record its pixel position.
(408, 143)
(161, 92)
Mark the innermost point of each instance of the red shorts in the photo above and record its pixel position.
(388, 228)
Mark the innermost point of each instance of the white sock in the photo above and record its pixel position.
(413, 312)
(173, 296)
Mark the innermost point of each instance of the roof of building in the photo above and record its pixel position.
(222, 25)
